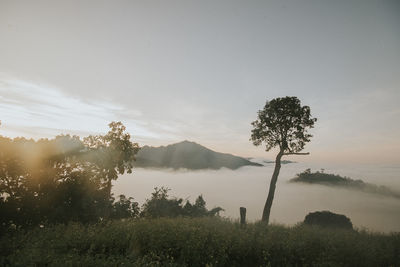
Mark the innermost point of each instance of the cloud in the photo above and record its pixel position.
(37, 110)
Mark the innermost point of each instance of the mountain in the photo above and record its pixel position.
(188, 155)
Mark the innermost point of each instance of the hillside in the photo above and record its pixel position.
(188, 155)
(338, 181)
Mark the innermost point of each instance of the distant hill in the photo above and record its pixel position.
(338, 181)
(188, 155)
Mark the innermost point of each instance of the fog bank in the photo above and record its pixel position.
(248, 187)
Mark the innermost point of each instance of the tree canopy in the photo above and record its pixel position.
(62, 179)
(283, 123)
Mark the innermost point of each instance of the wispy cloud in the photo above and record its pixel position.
(36, 110)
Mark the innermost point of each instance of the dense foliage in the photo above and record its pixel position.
(196, 242)
(283, 123)
(62, 179)
(160, 205)
(67, 179)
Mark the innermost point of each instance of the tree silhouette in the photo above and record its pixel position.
(283, 123)
(65, 178)
(161, 205)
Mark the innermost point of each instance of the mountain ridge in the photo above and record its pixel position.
(188, 155)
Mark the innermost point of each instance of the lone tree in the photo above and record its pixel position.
(283, 123)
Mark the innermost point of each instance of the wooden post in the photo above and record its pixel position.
(242, 216)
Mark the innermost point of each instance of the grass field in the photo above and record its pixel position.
(196, 242)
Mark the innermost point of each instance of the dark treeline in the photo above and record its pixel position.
(69, 179)
(322, 178)
(62, 179)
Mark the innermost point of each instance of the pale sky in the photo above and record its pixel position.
(200, 70)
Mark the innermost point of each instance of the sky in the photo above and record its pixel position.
(200, 71)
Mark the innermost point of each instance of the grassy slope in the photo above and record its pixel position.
(196, 242)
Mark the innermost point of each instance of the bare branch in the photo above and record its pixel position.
(293, 153)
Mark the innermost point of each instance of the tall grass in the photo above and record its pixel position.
(196, 242)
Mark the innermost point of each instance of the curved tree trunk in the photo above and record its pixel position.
(272, 186)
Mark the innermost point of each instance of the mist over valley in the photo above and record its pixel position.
(247, 187)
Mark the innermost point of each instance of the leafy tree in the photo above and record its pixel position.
(125, 207)
(111, 154)
(283, 123)
(62, 179)
(197, 209)
(159, 205)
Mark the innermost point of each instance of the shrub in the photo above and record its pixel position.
(328, 219)
(160, 205)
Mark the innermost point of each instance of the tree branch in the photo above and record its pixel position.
(293, 153)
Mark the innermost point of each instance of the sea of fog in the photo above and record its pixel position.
(248, 186)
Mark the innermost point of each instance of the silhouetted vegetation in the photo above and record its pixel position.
(283, 123)
(63, 179)
(328, 219)
(319, 177)
(188, 155)
(196, 242)
(57, 210)
(124, 208)
(67, 179)
(160, 205)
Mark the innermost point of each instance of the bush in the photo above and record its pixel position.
(328, 219)
(160, 205)
(125, 207)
